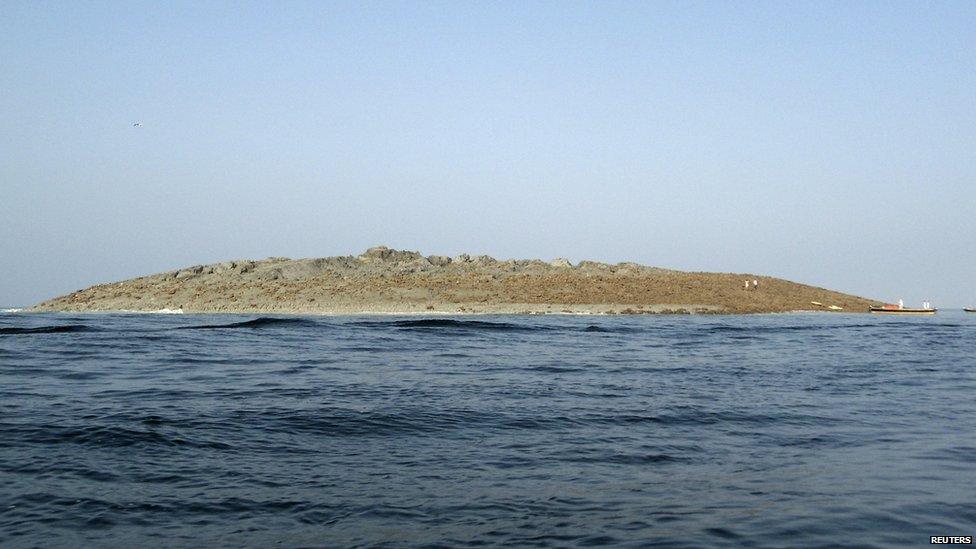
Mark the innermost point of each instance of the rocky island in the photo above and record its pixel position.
(383, 280)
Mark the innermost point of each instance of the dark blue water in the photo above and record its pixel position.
(778, 430)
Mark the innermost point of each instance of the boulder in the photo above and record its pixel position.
(483, 260)
(376, 252)
(509, 265)
(561, 263)
(386, 255)
(627, 267)
(270, 274)
(189, 273)
(593, 266)
(224, 267)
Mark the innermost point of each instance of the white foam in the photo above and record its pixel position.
(10, 310)
(168, 312)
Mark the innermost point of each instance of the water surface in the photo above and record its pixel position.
(221, 430)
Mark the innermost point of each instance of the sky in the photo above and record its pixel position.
(830, 143)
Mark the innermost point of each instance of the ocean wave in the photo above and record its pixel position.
(833, 327)
(101, 436)
(47, 329)
(451, 324)
(625, 459)
(261, 322)
(345, 422)
(768, 329)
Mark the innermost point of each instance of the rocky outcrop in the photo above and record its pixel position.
(386, 255)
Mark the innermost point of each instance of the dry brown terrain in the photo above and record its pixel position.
(390, 281)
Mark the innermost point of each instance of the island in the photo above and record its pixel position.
(383, 280)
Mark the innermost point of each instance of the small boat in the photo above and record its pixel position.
(970, 309)
(902, 310)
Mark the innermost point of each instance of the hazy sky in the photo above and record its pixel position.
(829, 143)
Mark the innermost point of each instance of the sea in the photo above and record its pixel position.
(787, 430)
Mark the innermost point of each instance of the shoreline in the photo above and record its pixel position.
(424, 313)
(548, 310)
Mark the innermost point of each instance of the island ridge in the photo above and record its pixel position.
(383, 280)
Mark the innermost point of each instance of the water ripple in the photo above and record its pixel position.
(805, 430)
